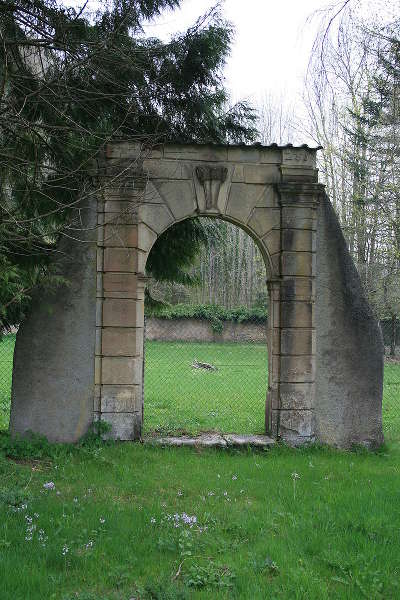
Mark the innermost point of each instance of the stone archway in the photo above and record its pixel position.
(272, 193)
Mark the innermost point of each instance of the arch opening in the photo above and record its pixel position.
(205, 350)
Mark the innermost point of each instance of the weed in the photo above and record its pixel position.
(208, 574)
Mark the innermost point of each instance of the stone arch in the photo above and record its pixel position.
(246, 187)
(92, 337)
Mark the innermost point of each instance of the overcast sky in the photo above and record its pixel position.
(271, 47)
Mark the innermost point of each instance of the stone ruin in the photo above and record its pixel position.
(79, 353)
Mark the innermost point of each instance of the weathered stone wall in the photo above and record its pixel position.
(53, 374)
(349, 364)
(196, 330)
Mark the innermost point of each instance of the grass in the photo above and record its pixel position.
(230, 399)
(309, 524)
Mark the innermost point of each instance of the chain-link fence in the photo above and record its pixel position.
(7, 343)
(199, 377)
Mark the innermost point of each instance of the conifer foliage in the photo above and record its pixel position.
(70, 81)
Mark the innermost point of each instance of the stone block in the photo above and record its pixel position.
(255, 441)
(299, 156)
(297, 369)
(124, 187)
(99, 312)
(125, 236)
(274, 313)
(124, 426)
(297, 288)
(261, 174)
(120, 313)
(126, 217)
(296, 426)
(270, 156)
(243, 154)
(157, 216)
(196, 152)
(298, 173)
(97, 349)
(121, 260)
(120, 282)
(122, 341)
(123, 149)
(298, 240)
(296, 396)
(121, 398)
(97, 370)
(96, 398)
(99, 284)
(167, 169)
(263, 220)
(297, 263)
(122, 295)
(244, 197)
(238, 174)
(295, 314)
(100, 259)
(294, 217)
(113, 206)
(152, 195)
(274, 367)
(276, 264)
(179, 196)
(272, 241)
(117, 167)
(121, 371)
(146, 237)
(297, 341)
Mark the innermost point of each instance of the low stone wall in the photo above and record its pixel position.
(196, 330)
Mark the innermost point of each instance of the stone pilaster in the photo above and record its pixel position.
(119, 323)
(294, 326)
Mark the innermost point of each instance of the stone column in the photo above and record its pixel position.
(294, 328)
(119, 323)
(273, 344)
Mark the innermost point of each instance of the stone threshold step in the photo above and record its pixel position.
(216, 440)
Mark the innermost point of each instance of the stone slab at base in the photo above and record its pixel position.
(215, 440)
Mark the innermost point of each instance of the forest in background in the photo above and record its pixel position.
(351, 107)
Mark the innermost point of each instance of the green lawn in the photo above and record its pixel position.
(311, 524)
(230, 399)
(132, 521)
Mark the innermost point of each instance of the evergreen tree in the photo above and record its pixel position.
(69, 82)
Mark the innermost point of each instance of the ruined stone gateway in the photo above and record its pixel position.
(79, 354)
